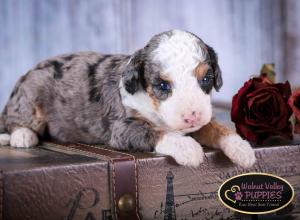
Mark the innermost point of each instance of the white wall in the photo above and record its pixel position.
(245, 33)
(292, 41)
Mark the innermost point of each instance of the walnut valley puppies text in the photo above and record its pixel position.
(262, 191)
(256, 193)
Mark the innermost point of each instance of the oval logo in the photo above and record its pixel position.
(256, 193)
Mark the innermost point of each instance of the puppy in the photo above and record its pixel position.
(157, 99)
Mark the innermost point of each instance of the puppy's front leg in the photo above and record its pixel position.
(133, 134)
(136, 134)
(218, 136)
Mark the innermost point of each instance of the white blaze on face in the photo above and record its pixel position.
(188, 108)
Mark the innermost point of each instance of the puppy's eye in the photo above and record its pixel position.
(206, 83)
(162, 89)
(165, 86)
(206, 80)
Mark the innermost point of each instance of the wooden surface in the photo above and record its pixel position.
(245, 34)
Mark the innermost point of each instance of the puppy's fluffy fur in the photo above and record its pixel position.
(156, 99)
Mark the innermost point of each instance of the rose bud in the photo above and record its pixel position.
(294, 102)
(260, 110)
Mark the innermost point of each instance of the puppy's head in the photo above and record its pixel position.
(169, 81)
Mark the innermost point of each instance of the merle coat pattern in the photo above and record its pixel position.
(75, 98)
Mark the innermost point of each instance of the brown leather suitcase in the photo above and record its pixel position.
(55, 181)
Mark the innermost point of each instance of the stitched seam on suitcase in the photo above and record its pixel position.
(136, 190)
(114, 189)
(75, 150)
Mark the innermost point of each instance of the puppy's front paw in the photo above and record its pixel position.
(185, 150)
(190, 153)
(23, 137)
(238, 150)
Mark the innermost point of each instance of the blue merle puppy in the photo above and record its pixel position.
(157, 99)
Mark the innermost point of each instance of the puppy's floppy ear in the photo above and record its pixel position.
(218, 81)
(133, 72)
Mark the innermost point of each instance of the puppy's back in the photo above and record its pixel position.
(68, 95)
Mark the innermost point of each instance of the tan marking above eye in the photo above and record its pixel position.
(201, 70)
(166, 78)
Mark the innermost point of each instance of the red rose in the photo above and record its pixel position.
(294, 102)
(260, 110)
